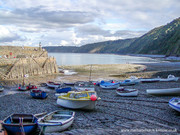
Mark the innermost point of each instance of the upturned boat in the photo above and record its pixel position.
(78, 100)
(16, 124)
(56, 121)
(53, 84)
(108, 85)
(80, 85)
(170, 91)
(127, 92)
(175, 104)
(169, 78)
(37, 93)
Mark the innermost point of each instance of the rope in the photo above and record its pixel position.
(21, 124)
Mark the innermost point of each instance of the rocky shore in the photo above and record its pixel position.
(144, 114)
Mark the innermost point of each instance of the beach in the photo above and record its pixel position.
(144, 114)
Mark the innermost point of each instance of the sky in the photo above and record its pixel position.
(79, 22)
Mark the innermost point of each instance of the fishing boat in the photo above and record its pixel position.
(1, 88)
(170, 91)
(16, 124)
(56, 121)
(78, 100)
(169, 78)
(53, 84)
(81, 85)
(127, 92)
(175, 104)
(22, 87)
(37, 93)
(109, 85)
(63, 89)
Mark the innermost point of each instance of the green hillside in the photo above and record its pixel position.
(163, 40)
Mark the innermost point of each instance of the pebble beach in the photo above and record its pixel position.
(144, 114)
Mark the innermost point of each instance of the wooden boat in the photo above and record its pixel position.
(63, 89)
(53, 84)
(109, 85)
(56, 121)
(78, 100)
(20, 124)
(149, 80)
(170, 91)
(22, 87)
(80, 85)
(175, 104)
(126, 92)
(37, 93)
(169, 78)
(1, 88)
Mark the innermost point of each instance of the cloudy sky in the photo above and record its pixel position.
(78, 22)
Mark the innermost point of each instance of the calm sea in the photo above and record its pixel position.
(86, 58)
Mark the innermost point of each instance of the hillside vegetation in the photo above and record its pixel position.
(163, 40)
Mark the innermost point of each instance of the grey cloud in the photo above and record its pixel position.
(10, 38)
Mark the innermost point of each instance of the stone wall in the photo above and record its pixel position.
(20, 67)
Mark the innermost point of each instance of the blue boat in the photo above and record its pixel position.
(63, 89)
(37, 93)
(109, 85)
(20, 124)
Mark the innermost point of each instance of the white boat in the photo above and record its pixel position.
(81, 86)
(108, 85)
(126, 92)
(169, 78)
(132, 81)
(78, 100)
(56, 121)
(175, 104)
(69, 72)
(53, 84)
(59, 94)
(170, 91)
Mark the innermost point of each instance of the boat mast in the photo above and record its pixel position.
(90, 73)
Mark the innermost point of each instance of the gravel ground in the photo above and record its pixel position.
(144, 114)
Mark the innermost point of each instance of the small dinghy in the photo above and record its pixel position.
(37, 93)
(1, 88)
(56, 121)
(22, 87)
(170, 91)
(131, 81)
(30, 87)
(109, 85)
(175, 104)
(63, 89)
(80, 85)
(127, 92)
(170, 78)
(78, 100)
(53, 84)
(17, 124)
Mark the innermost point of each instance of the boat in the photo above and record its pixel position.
(108, 85)
(169, 78)
(37, 93)
(22, 87)
(175, 104)
(149, 80)
(53, 84)
(1, 88)
(20, 124)
(78, 100)
(56, 121)
(81, 85)
(69, 83)
(59, 94)
(126, 92)
(69, 72)
(131, 81)
(30, 86)
(170, 91)
(63, 89)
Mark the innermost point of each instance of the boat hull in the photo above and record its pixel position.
(171, 91)
(39, 95)
(174, 105)
(128, 94)
(63, 90)
(80, 104)
(65, 121)
(109, 86)
(52, 85)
